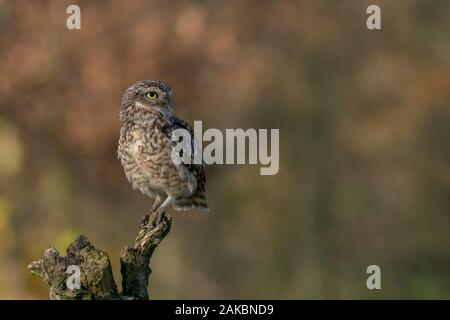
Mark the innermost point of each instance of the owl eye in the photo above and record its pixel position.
(152, 95)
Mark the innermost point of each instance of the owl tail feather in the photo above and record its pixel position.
(197, 200)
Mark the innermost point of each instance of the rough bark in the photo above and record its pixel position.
(96, 276)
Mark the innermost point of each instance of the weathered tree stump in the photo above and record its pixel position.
(96, 276)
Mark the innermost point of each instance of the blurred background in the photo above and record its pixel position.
(364, 123)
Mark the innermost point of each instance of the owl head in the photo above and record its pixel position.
(146, 96)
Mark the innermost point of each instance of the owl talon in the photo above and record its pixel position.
(144, 220)
(159, 217)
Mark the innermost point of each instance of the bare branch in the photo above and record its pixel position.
(134, 261)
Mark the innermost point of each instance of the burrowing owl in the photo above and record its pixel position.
(145, 147)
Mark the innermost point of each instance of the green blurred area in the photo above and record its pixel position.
(364, 123)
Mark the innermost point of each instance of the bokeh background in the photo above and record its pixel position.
(364, 123)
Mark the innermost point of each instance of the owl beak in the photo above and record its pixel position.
(169, 102)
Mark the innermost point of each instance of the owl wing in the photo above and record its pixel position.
(198, 170)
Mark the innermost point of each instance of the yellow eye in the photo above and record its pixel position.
(152, 95)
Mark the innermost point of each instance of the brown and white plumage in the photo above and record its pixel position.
(145, 148)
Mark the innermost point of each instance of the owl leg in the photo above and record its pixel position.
(162, 208)
(155, 206)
